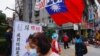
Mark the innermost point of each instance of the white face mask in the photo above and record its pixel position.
(33, 52)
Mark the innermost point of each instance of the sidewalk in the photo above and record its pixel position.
(68, 52)
(92, 51)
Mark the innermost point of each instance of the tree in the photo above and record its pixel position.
(3, 24)
(19, 12)
(2, 18)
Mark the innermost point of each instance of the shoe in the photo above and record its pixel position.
(65, 48)
(68, 47)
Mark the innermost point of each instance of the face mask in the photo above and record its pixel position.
(33, 52)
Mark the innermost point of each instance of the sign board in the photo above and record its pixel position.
(68, 26)
(91, 13)
(41, 4)
(75, 27)
(21, 32)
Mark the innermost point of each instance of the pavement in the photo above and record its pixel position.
(68, 52)
(92, 51)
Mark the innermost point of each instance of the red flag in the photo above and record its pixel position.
(72, 12)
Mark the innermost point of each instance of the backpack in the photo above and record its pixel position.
(78, 40)
(54, 49)
(65, 38)
(84, 49)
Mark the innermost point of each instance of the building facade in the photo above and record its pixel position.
(30, 15)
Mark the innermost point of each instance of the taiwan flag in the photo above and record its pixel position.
(66, 11)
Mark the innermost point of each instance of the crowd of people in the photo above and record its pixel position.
(96, 40)
(43, 47)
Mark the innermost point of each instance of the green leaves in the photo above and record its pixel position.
(2, 17)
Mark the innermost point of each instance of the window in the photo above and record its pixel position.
(36, 13)
(50, 20)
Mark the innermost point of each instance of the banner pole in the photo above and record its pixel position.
(79, 28)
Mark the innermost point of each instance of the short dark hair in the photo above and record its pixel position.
(42, 42)
(30, 37)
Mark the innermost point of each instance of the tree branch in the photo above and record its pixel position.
(12, 10)
(18, 4)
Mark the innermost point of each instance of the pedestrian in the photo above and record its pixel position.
(55, 35)
(65, 40)
(80, 47)
(40, 43)
(98, 36)
(29, 51)
(97, 39)
(55, 45)
(8, 36)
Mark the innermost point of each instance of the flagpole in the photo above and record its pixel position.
(79, 28)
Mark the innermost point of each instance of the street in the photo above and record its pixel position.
(92, 51)
(28, 26)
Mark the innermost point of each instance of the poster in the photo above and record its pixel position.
(91, 13)
(75, 27)
(21, 32)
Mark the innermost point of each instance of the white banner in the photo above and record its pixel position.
(75, 27)
(21, 32)
(98, 6)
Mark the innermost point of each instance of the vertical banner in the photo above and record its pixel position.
(21, 32)
(98, 7)
(40, 4)
(91, 13)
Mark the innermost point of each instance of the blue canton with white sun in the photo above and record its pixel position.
(56, 8)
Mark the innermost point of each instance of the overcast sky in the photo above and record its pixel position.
(4, 4)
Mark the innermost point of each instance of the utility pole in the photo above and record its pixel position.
(30, 11)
